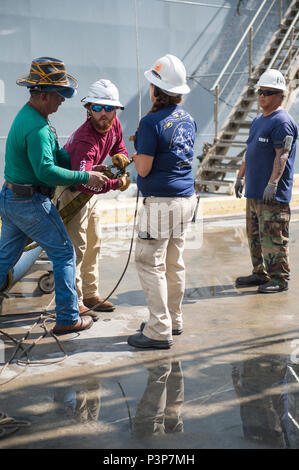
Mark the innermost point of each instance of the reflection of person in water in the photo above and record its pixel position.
(82, 401)
(159, 410)
(261, 387)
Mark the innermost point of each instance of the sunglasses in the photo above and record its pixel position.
(268, 92)
(97, 108)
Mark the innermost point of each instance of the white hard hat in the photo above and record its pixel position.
(273, 79)
(103, 92)
(169, 74)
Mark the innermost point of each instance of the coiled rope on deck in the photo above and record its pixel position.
(24, 349)
(9, 425)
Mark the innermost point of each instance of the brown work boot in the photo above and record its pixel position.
(83, 323)
(83, 311)
(97, 304)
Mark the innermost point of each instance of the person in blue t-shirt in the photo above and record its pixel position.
(269, 169)
(164, 152)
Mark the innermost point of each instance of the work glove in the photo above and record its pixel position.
(239, 186)
(120, 161)
(125, 181)
(97, 179)
(104, 169)
(269, 193)
(109, 173)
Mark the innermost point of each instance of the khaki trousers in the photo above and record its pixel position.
(84, 231)
(159, 261)
(159, 409)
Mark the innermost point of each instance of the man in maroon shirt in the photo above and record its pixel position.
(99, 136)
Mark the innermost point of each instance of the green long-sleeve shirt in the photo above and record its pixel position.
(33, 155)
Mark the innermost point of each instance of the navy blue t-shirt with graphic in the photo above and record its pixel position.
(268, 133)
(168, 135)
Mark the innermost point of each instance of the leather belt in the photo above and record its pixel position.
(27, 190)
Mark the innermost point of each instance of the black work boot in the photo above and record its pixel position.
(272, 286)
(141, 341)
(174, 332)
(251, 280)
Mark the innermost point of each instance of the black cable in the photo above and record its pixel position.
(128, 260)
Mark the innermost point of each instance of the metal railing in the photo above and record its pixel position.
(249, 34)
(252, 36)
(238, 46)
(289, 34)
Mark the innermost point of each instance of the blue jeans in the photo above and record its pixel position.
(37, 218)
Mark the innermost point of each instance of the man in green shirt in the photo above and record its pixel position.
(34, 165)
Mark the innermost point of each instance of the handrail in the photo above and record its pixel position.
(284, 40)
(288, 57)
(244, 51)
(238, 46)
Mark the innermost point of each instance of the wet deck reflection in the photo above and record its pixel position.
(230, 381)
(250, 404)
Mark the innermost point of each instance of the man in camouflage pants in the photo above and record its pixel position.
(268, 235)
(269, 169)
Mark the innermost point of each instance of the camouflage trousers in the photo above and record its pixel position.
(267, 228)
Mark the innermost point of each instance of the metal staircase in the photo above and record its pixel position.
(222, 159)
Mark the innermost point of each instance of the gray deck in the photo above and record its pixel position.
(235, 367)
